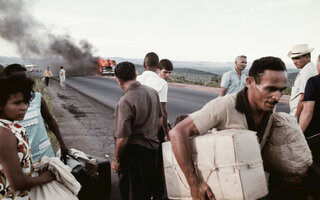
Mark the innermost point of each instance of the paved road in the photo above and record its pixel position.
(180, 100)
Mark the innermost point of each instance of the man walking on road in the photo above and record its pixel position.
(138, 117)
(62, 77)
(234, 80)
(301, 57)
(47, 75)
(251, 109)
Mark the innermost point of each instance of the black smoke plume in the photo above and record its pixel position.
(34, 40)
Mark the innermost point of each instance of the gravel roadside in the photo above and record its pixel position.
(85, 125)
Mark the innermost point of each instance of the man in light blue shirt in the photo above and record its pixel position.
(234, 80)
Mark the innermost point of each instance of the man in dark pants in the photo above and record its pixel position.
(138, 117)
(47, 74)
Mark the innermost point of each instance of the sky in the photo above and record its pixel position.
(182, 30)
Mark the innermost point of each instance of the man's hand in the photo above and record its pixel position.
(201, 191)
(115, 166)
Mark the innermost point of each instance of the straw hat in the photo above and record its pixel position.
(299, 50)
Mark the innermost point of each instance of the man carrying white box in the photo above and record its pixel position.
(250, 109)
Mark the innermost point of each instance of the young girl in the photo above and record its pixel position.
(15, 157)
(34, 121)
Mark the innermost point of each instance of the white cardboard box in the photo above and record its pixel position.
(229, 161)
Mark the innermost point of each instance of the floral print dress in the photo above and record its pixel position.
(24, 154)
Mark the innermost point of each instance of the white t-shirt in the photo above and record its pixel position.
(62, 74)
(299, 85)
(151, 79)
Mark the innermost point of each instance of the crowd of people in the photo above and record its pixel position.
(141, 124)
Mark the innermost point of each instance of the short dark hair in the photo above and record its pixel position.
(13, 85)
(165, 64)
(179, 118)
(125, 71)
(12, 69)
(265, 63)
(61, 67)
(151, 60)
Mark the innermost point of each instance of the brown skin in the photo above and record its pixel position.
(306, 115)
(15, 109)
(223, 91)
(300, 62)
(165, 121)
(262, 98)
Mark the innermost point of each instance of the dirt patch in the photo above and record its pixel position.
(62, 96)
(74, 110)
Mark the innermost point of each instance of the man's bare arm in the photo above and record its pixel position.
(306, 114)
(165, 121)
(223, 91)
(179, 137)
(300, 106)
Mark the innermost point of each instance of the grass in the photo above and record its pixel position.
(40, 87)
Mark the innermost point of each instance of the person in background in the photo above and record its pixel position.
(62, 77)
(164, 69)
(47, 75)
(301, 57)
(310, 115)
(15, 158)
(250, 108)
(234, 80)
(150, 78)
(38, 113)
(138, 117)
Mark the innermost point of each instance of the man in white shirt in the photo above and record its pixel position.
(234, 80)
(62, 76)
(150, 78)
(301, 57)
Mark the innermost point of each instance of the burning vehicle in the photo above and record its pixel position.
(106, 67)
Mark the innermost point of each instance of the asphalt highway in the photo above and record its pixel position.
(180, 100)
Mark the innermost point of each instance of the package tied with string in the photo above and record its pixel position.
(229, 161)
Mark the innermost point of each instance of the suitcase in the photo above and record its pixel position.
(228, 161)
(95, 180)
(94, 187)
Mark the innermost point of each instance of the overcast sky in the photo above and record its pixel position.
(185, 30)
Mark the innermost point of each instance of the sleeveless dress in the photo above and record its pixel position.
(37, 133)
(24, 154)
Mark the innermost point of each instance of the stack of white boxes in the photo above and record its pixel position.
(229, 161)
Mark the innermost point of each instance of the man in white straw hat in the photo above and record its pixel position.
(301, 57)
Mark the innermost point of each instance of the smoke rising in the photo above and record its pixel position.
(34, 40)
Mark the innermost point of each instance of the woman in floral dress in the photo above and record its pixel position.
(15, 156)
